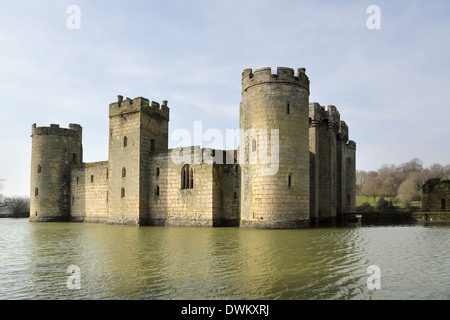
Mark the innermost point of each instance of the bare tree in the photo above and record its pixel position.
(437, 171)
(371, 188)
(19, 205)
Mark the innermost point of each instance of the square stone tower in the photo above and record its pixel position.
(137, 129)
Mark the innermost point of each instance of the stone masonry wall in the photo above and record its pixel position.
(274, 103)
(89, 191)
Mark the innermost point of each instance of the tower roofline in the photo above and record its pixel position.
(283, 75)
(74, 130)
(138, 104)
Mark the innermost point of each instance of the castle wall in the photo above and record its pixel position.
(209, 202)
(350, 179)
(314, 163)
(328, 164)
(274, 135)
(89, 191)
(341, 167)
(294, 165)
(136, 130)
(436, 195)
(54, 150)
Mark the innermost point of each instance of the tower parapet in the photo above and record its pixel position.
(127, 106)
(283, 75)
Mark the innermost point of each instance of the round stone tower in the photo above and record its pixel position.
(274, 148)
(54, 150)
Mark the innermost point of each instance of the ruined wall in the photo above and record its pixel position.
(89, 191)
(436, 195)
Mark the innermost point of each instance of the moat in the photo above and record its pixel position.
(125, 262)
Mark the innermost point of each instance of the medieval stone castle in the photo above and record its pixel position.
(310, 175)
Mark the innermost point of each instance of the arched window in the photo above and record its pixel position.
(124, 172)
(288, 109)
(39, 169)
(36, 192)
(157, 191)
(125, 141)
(290, 181)
(122, 193)
(92, 178)
(254, 145)
(187, 177)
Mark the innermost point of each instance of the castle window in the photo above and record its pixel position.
(288, 109)
(39, 169)
(77, 180)
(107, 196)
(254, 145)
(36, 192)
(236, 169)
(74, 158)
(122, 193)
(157, 172)
(235, 195)
(157, 191)
(290, 181)
(442, 204)
(187, 177)
(124, 172)
(107, 174)
(152, 145)
(125, 141)
(92, 178)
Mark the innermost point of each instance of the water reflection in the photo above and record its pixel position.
(122, 262)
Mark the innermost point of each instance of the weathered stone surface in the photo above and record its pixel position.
(309, 176)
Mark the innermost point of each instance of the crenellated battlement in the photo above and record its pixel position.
(343, 132)
(74, 130)
(126, 106)
(282, 75)
(351, 144)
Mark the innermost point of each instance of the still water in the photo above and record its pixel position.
(124, 262)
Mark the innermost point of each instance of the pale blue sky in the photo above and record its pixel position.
(390, 85)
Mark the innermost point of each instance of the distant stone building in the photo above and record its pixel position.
(294, 165)
(436, 195)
